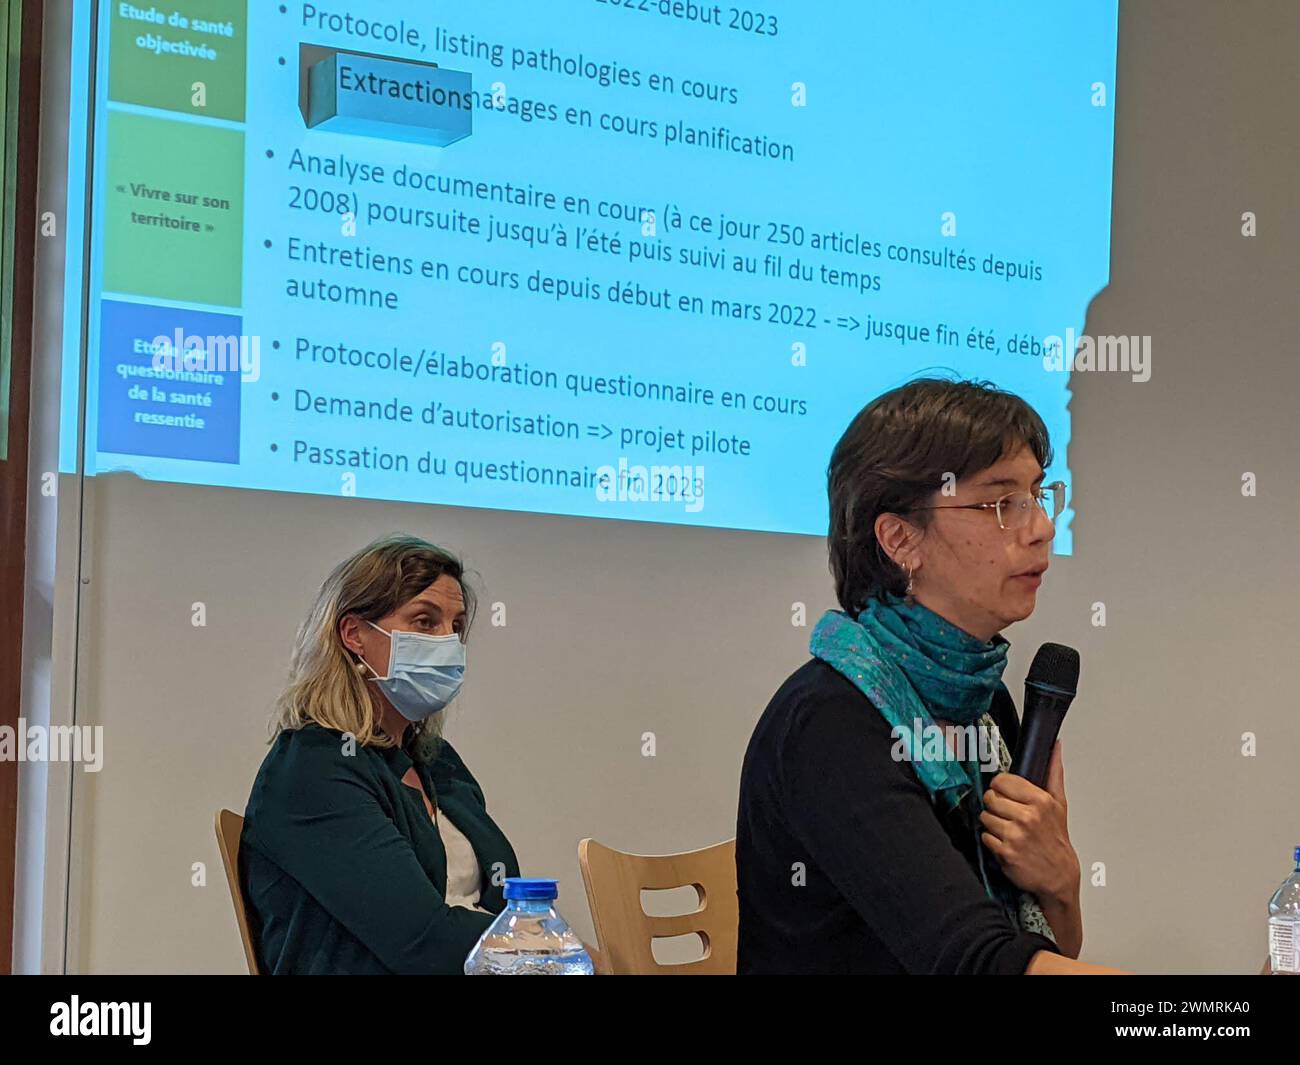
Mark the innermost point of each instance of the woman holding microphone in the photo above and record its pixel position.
(860, 850)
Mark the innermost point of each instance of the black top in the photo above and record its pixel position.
(888, 885)
(344, 871)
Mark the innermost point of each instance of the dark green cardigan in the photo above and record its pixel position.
(344, 872)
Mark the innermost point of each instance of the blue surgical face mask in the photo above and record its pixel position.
(424, 672)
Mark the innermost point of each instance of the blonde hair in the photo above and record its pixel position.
(324, 684)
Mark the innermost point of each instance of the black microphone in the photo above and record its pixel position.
(1050, 687)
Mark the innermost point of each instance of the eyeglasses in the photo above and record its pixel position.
(1015, 509)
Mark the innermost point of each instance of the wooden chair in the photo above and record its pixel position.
(624, 931)
(230, 826)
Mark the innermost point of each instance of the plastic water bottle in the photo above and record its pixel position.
(1284, 924)
(529, 937)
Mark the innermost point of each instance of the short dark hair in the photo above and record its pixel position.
(895, 453)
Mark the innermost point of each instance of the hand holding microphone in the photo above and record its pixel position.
(1026, 829)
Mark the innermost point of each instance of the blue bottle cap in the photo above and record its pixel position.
(531, 887)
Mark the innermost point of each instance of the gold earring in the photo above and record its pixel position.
(910, 583)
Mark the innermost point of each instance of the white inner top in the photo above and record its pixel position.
(464, 877)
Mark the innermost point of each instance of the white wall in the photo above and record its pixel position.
(615, 629)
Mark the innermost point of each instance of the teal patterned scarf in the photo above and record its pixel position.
(914, 666)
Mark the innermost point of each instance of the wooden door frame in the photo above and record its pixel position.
(14, 487)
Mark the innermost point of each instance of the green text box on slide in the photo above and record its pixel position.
(193, 59)
(174, 210)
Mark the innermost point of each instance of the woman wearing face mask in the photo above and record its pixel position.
(857, 852)
(367, 845)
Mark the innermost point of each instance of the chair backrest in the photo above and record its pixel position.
(624, 931)
(229, 827)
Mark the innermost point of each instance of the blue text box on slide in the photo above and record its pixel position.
(165, 413)
(375, 96)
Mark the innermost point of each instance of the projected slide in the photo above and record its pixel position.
(636, 259)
